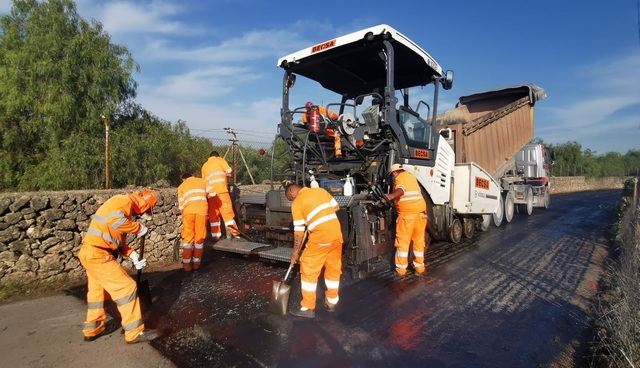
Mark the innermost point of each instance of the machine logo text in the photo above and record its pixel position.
(323, 46)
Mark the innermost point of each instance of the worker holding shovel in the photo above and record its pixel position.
(105, 238)
(314, 209)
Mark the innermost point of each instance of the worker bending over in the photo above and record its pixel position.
(105, 238)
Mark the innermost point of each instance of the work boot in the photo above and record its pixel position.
(146, 335)
(109, 327)
(399, 276)
(330, 307)
(308, 313)
(422, 274)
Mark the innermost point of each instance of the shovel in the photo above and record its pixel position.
(144, 293)
(280, 295)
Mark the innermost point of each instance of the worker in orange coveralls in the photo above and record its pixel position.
(411, 224)
(105, 238)
(194, 208)
(323, 111)
(216, 172)
(315, 209)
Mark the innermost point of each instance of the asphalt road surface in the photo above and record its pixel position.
(515, 296)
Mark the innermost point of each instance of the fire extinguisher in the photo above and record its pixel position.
(314, 119)
(337, 145)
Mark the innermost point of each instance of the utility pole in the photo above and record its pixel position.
(107, 165)
(236, 149)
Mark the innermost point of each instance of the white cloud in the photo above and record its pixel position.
(593, 115)
(154, 17)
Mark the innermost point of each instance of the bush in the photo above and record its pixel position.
(618, 325)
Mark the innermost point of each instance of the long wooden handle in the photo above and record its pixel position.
(141, 256)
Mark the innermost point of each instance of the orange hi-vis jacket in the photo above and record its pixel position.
(324, 112)
(192, 197)
(411, 200)
(215, 172)
(110, 224)
(316, 208)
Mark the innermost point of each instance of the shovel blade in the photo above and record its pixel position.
(279, 298)
(144, 294)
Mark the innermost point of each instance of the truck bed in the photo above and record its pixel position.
(490, 127)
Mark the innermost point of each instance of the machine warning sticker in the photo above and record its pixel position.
(323, 46)
(482, 183)
(421, 153)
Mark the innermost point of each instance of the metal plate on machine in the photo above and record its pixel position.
(253, 198)
(237, 246)
(277, 254)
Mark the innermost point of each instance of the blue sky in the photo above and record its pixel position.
(212, 63)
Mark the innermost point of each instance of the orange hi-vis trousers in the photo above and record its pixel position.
(410, 228)
(220, 206)
(106, 277)
(193, 233)
(313, 259)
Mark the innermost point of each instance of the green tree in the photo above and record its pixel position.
(632, 162)
(58, 74)
(569, 159)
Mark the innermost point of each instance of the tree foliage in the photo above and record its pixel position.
(572, 160)
(58, 74)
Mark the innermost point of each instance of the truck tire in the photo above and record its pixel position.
(468, 227)
(455, 232)
(499, 214)
(547, 197)
(527, 207)
(486, 221)
(509, 206)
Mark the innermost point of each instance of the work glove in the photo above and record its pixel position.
(138, 263)
(143, 231)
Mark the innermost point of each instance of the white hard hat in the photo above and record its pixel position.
(395, 167)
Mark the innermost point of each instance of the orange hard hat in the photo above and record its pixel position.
(395, 167)
(150, 197)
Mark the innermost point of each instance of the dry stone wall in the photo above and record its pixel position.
(569, 184)
(40, 232)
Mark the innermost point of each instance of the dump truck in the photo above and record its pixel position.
(348, 113)
(493, 128)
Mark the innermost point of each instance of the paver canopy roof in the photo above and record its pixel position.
(354, 64)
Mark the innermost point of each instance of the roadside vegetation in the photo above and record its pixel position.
(617, 340)
(59, 74)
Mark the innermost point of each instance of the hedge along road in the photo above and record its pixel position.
(517, 295)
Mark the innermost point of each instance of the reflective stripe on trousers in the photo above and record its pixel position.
(313, 259)
(410, 228)
(106, 276)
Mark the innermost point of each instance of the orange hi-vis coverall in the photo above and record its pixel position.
(194, 207)
(315, 209)
(324, 112)
(215, 171)
(105, 236)
(411, 224)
